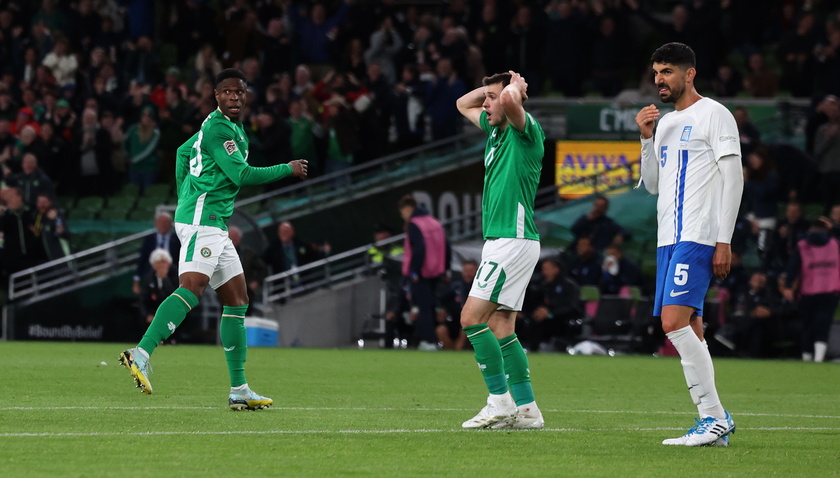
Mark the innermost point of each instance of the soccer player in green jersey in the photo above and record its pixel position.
(512, 162)
(211, 167)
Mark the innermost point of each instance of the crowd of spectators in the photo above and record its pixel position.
(98, 93)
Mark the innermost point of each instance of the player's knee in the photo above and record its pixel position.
(468, 319)
(671, 324)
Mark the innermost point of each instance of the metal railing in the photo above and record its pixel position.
(366, 179)
(75, 270)
(119, 256)
(350, 264)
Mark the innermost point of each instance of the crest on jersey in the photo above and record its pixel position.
(205, 252)
(686, 133)
(230, 147)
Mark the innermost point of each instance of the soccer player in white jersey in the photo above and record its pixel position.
(512, 161)
(694, 163)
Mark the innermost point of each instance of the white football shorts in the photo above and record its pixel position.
(209, 251)
(506, 268)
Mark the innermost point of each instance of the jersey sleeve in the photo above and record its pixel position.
(182, 161)
(220, 141)
(723, 133)
(532, 133)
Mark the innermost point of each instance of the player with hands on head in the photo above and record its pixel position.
(210, 169)
(693, 162)
(512, 161)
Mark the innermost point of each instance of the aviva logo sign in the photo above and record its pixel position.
(585, 167)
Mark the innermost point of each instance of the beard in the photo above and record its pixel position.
(673, 94)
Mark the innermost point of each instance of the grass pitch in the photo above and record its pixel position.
(398, 413)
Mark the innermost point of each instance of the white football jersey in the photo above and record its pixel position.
(688, 145)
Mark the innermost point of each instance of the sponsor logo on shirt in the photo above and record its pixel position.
(230, 147)
(686, 134)
(727, 139)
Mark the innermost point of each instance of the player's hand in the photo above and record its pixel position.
(646, 119)
(722, 260)
(300, 167)
(519, 82)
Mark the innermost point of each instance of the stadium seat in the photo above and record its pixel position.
(113, 214)
(612, 325)
(613, 316)
(66, 202)
(80, 214)
(144, 215)
(90, 203)
(589, 295)
(129, 190)
(149, 203)
(123, 202)
(158, 191)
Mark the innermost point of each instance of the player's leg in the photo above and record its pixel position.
(488, 354)
(822, 324)
(423, 296)
(506, 268)
(686, 281)
(807, 312)
(229, 283)
(195, 267)
(517, 369)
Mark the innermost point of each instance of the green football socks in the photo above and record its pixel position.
(517, 370)
(488, 354)
(168, 317)
(232, 331)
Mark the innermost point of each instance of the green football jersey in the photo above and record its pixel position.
(211, 167)
(512, 165)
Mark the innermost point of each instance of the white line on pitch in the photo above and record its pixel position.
(419, 409)
(366, 432)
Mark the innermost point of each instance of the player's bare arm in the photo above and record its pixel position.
(511, 100)
(300, 168)
(646, 119)
(471, 105)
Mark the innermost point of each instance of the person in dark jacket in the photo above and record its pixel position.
(585, 264)
(32, 181)
(757, 319)
(159, 283)
(618, 272)
(21, 249)
(555, 307)
(49, 226)
(164, 237)
(599, 227)
(289, 252)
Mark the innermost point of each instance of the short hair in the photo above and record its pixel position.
(469, 261)
(675, 53)
(503, 78)
(229, 73)
(159, 254)
(407, 201)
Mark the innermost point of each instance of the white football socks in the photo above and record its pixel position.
(820, 348)
(699, 372)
